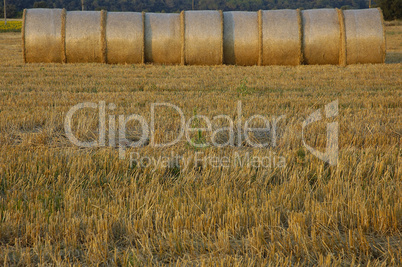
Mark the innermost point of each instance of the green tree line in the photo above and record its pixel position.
(392, 8)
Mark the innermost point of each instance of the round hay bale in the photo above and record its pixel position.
(124, 37)
(162, 38)
(365, 39)
(321, 36)
(280, 37)
(203, 37)
(241, 38)
(83, 37)
(281, 42)
(42, 35)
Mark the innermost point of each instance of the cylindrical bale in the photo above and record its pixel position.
(281, 42)
(83, 37)
(365, 39)
(162, 38)
(203, 37)
(240, 38)
(42, 35)
(321, 36)
(124, 37)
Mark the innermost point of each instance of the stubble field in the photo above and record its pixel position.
(61, 204)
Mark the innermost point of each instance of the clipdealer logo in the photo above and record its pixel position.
(242, 132)
(330, 155)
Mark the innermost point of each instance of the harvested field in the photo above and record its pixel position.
(61, 204)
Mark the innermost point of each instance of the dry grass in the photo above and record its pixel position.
(60, 204)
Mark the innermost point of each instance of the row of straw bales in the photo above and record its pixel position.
(275, 37)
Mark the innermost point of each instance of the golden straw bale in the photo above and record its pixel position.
(203, 37)
(365, 39)
(321, 36)
(162, 38)
(83, 37)
(42, 39)
(241, 38)
(275, 37)
(124, 37)
(281, 41)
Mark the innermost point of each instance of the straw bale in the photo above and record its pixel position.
(124, 37)
(42, 38)
(162, 38)
(365, 39)
(276, 37)
(241, 38)
(281, 42)
(83, 37)
(321, 36)
(203, 37)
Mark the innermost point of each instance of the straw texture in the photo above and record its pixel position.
(83, 37)
(321, 36)
(203, 37)
(281, 41)
(241, 38)
(276, 37)
(162, 38)
(342, 46)
(103, 37)
(42, 35)
(300, 22)
(124, 37)
(183, 37)
(63, 35)
(260, 54)
(365, 40)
